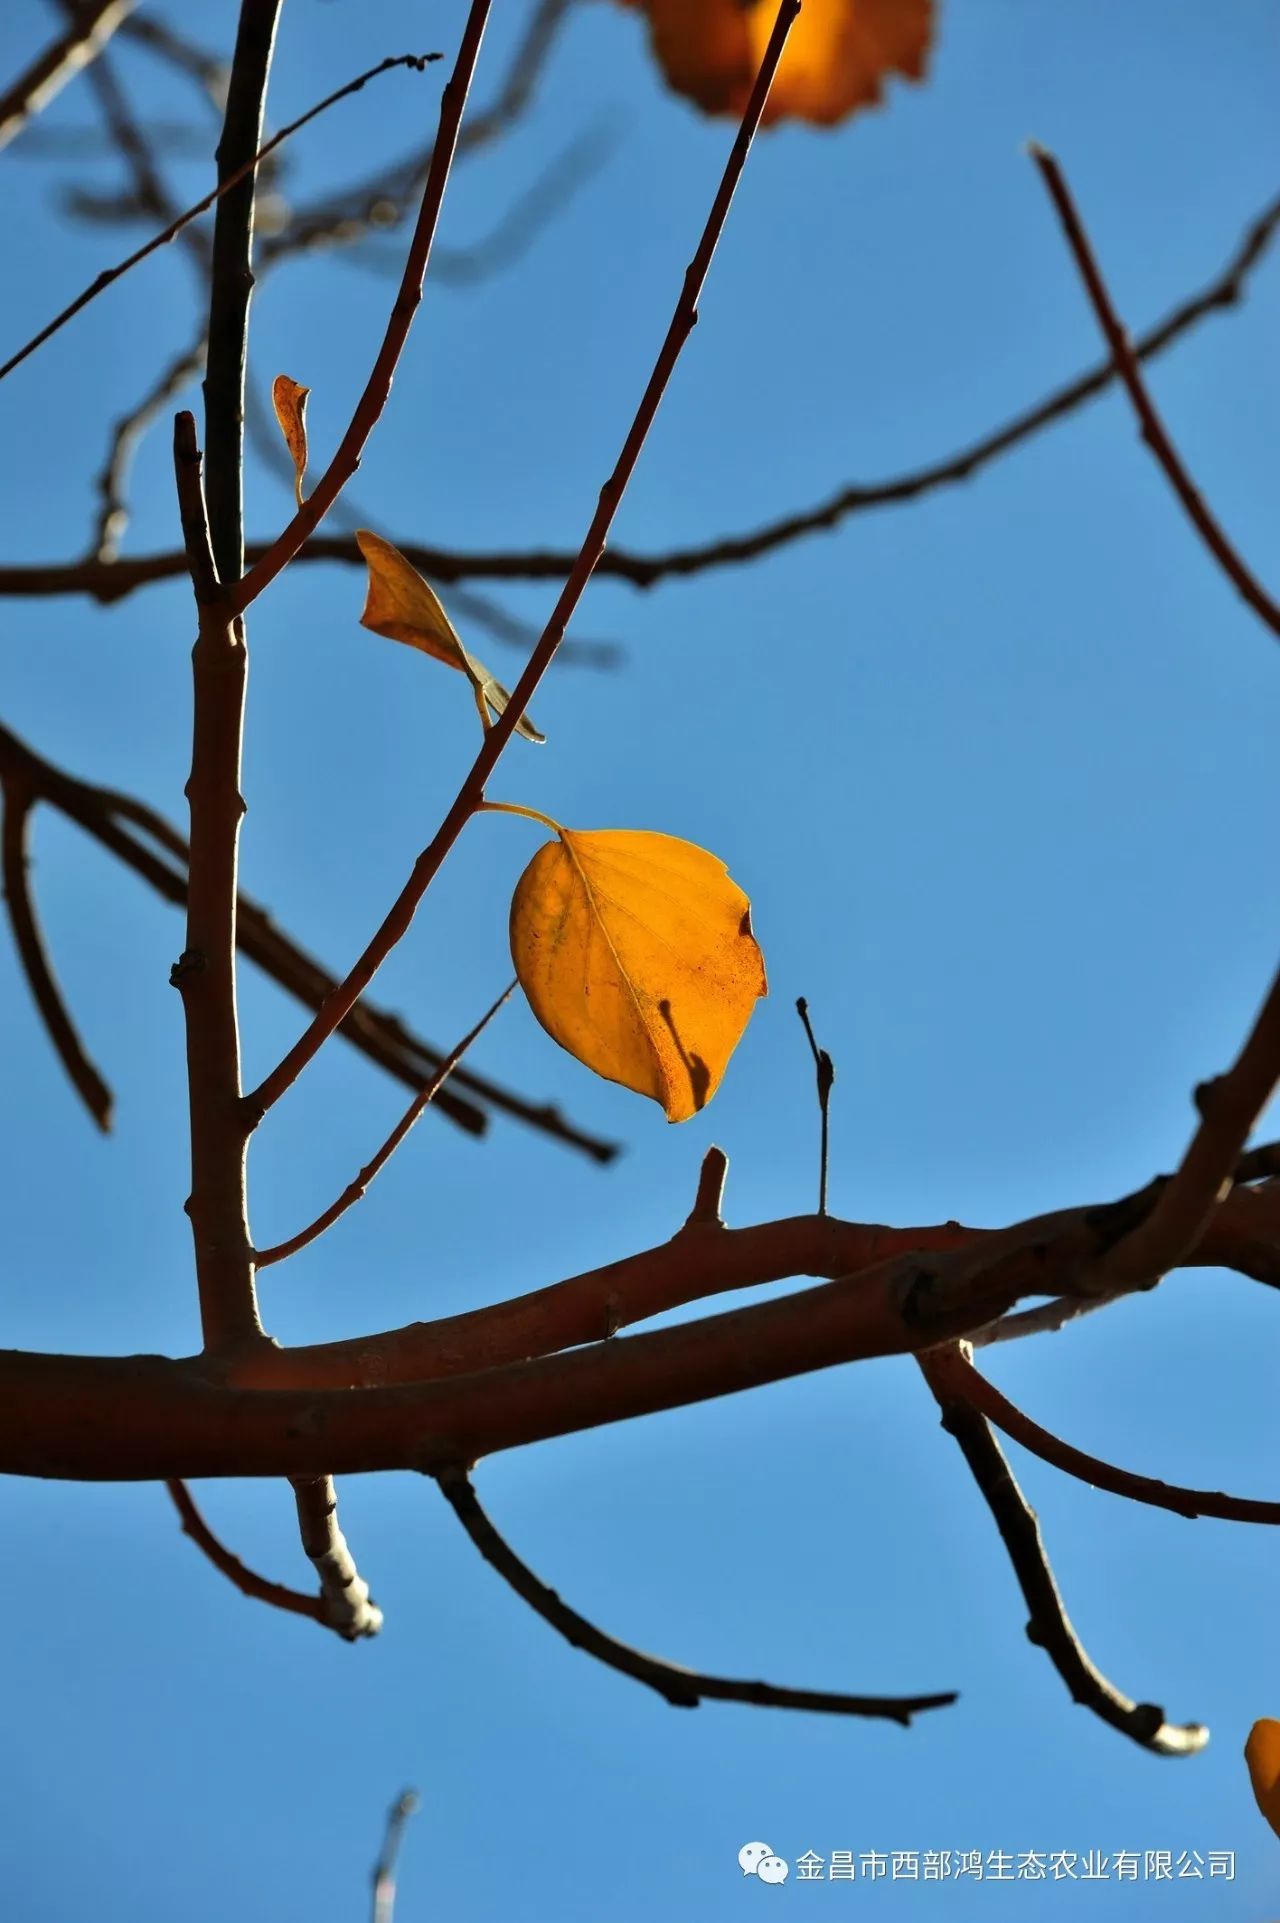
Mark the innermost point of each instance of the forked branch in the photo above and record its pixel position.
(246, 1580)
(1154, 432)
(355, 1190)
(1229, 1107)
(1049, 1626)
(234, 178)
(987, 1399)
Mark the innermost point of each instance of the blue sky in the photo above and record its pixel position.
(995, 770)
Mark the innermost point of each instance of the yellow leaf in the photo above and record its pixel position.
(636, 953)
(835, 61)
(1262, 1754)
(290, 403)
(402, 606)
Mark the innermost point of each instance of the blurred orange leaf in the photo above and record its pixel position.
(290, 403)
(1262, 1754)
(836, 60)
(636, 953)
(402, 606)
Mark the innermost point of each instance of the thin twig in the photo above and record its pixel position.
(1153, 429)
(245, 1580)
(985, 1397)
(111, 583)
(17, 801)
(384, 1870)
(1229, 1106)
(1049, 1627)
(682, 1688)
(235, 176)
(91, 27)
(471, 793)
(345, 1602)
(354, 1191)
(826, 1073)
(346, 458)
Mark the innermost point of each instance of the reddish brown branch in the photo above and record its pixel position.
(92, 26)
(345, 1603)
(1154, 432)
(1244, 1235)
(355, 1190)
(93, 1418)
(985, 1397)
(471, 793)
(1229, 1106)
(245, 1579)
(378, 386)
(682, 1688)
(234, 178)
(1049, 1626)
(17, 802)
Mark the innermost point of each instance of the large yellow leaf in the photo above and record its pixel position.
(290, 402)
(636, 953)
(402, 606)
(1262, 1754)
(836, 58)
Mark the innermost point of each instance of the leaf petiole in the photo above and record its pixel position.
(514, 808)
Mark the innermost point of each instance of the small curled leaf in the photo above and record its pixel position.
(1262, 1754)
(636, 953)
(290, 402)
(402, 606)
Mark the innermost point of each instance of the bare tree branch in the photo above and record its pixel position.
(682, 1688)
(1191, 1503)
(246, 1581)
(435, 1395)
(213, 534)
(345, 1602)
(91, 27)
(356, 1190)
(106, 583)
(17, 802)
(1049, 1626)
(1229, 1106)
(1153, 429)
(233, 180)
